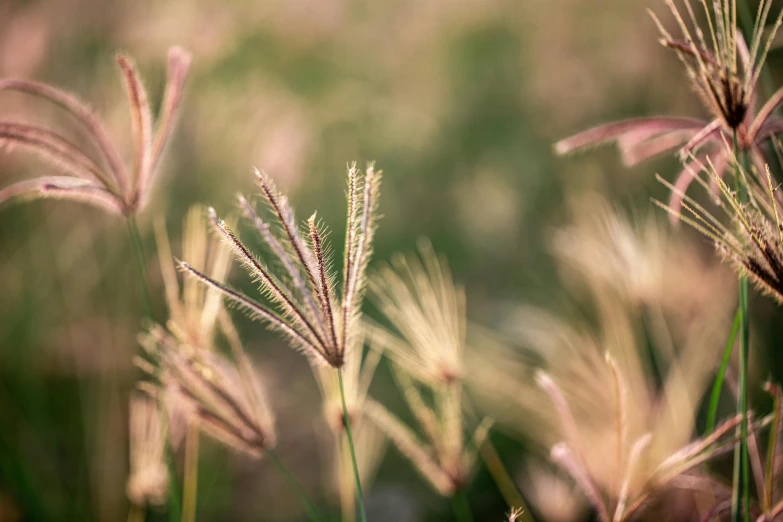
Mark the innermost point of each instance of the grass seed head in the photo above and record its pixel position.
(426, 344)
(426, 311)
(203, 389)
(102, 180)
(725, 73)
(301, 300)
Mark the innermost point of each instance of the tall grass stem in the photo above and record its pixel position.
(136, 513)
(717, 387)
(503, 480)
(740, 505)
(174, 507)
(461, 506)
(138, 250)
(190, 480)
(356, 477)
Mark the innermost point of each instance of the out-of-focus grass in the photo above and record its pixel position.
(458, 102)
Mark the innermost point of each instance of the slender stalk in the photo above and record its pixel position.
(347, 487)
(312, 512)
(740, 505)
(138, 249)
(717, 387)
(174, 507)
(173, 503)
(357, 479)
(136, 513)
(190, 481)
(461, 506)
(743, 398)
(503, 480)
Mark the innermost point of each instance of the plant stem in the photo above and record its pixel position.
(503, 480)
(190, 481)
(138, 249)
(347, 487)
(717, 387)
(173, 503)
(459, 501)
(296, 487)
(743, 396)
(357, 479)
(740, 505)
(136, 513)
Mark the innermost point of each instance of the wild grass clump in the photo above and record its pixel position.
(607, 393)
(617, 395)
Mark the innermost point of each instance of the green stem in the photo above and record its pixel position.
(136, 513)
(296, 487)
(357, 479)
(503, 479)
(190, 480)
(173, 503)
(740, 505)
(742, 403)
(461, 506)
(138, 250)
(174, 507)
(717, 387)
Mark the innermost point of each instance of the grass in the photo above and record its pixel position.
(420, 326)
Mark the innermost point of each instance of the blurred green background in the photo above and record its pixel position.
(458, 103)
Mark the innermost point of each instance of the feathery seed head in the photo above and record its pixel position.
(725, 75)
(619, 425)
(638, 259)
(301, 300)
(753, 243)
(102, 179)
(617, 465)
(724, 71)
(426, 341)
(207, 391)
(427, 313)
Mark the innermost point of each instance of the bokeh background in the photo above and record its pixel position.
(459, 104)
